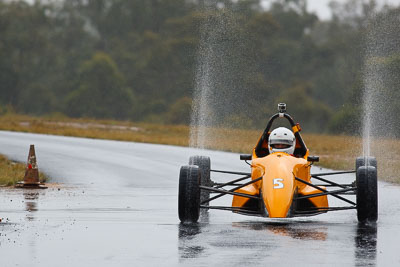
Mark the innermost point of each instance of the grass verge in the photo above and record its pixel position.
(13, 172)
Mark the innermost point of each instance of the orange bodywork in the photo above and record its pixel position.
(278, 187)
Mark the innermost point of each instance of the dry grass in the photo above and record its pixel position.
(336, 152)
(13, 172)
(99, 129)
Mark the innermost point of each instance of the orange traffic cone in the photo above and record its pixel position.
(31, 178)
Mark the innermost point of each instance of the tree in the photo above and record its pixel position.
(313, 115)
(179, 112)
(102, 93)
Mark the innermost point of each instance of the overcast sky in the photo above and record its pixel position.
(322, 9)
(321, 6)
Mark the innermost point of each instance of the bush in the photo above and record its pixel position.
(101, 93)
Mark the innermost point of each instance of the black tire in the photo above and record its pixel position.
(367, 194)
(189, 194)
(204, 165)
(366, 161)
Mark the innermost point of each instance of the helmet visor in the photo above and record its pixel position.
(280, 141)
(280, 146)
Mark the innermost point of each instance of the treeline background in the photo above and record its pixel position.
(138, 59)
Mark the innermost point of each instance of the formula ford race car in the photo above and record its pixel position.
(279, 184)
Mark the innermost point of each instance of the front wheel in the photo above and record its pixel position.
(189, 194)
(367, 194)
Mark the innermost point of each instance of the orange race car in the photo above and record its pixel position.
(279, 183)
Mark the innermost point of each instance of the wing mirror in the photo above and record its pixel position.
(245, 157)
(313, 158)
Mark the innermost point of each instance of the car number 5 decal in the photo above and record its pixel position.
(278, 183)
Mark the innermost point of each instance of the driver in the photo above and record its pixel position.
(281, 140)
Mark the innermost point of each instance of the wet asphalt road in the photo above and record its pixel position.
(117, 206)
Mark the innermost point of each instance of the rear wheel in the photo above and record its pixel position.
(367, 194)
(189, 194)
(204, 165)
(366, 161)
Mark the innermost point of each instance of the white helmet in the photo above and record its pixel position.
(281, 140)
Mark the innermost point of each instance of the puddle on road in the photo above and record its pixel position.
(84, 219)
(272, 239)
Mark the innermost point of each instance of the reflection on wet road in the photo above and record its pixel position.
(117, 206)
(365, 243)
(283, 243)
